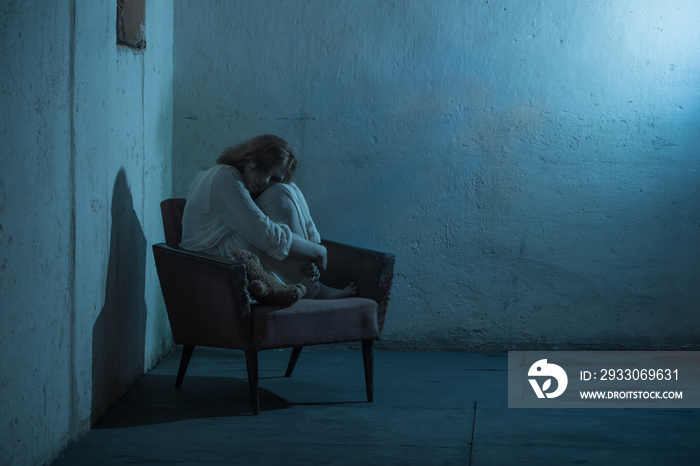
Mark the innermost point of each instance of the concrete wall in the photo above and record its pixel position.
(533, 165)
(86, 137)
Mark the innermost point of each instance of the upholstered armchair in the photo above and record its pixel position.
(207, 304)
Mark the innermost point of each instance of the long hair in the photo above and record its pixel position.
(266, 151)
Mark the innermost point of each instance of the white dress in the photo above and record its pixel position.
(220, 216)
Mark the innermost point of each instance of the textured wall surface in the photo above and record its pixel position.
(35, 234)
(534, 166)
(86, 135)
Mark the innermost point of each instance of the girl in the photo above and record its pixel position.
(247, 201)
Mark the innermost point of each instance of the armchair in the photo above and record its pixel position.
(207, 304)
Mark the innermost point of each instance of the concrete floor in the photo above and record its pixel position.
(429, 409)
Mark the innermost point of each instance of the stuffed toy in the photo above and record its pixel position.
(264, 287)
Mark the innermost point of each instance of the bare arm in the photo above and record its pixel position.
(304, 248)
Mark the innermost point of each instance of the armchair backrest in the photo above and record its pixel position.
(172, 210)
(200, 291)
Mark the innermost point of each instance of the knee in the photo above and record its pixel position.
(275, 189)
(277, 203)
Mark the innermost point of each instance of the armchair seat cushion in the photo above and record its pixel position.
(314, 321)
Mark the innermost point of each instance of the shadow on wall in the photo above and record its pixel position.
(119, 335)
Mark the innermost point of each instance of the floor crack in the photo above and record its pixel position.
(471, 442)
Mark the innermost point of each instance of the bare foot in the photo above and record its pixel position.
(334, 293)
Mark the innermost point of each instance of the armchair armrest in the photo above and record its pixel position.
(372, 272)
(205, 297)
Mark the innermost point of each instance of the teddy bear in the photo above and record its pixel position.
(264, 287)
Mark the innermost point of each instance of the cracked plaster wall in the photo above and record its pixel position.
(534, 166)
(86, 136)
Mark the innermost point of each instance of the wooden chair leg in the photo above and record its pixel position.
(296, 351)
(368, 359)
(184, 362)
(251, 361)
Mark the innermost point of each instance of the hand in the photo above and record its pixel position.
(311, 270)
(302, 247)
